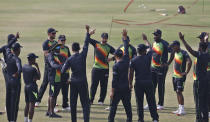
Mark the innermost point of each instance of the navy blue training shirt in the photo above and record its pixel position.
(120, 71)
(77, 64)
(30, 74)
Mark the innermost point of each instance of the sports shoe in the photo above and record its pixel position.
(181, 112)
(1, 113)
(47, 113)
(53, 115)
(159, 107)
(56, 110)
(209, 114)
(37, 104)
(68, 109)
(100, 103)
(155, 120)
(107, 108)
(175, 112)
(146, 107)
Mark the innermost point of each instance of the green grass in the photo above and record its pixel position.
(32, 18)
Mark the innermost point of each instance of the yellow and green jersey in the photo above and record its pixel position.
(180, 59)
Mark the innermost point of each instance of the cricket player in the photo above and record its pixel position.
(100, 71)
(46, 46)
(203, 39)
(181, 60)
(54, 77)
(31, 74)
(200, 86)
(13, 82)
(65, 53)
(143, 77)
(159, 66)
(120, 84)
(78, 82)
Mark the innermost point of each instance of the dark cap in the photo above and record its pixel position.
(118, 53)
(202, 35)
(104, 35)
(175, 43)
(11, 37)
(51, 30)
(62, 38)
(16, 46)
(142, 47)
(157, 32)
(32, 56)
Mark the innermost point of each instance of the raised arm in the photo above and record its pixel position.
(86, 43)
(125, 41)
(144, 37)
(193, 52)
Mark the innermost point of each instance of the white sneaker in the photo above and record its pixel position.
(155, 121)
(56, 110)
(209, 114)
(175, 112)
(181, 112)
(68, 109)
(107, 108)
(100, 103)
(159, 107)
(37, 104)
(146, 107)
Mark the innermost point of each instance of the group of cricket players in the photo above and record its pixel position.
(148, 62)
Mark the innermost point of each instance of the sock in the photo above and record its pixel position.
(25, 119)
(182, 107)
(29, 120)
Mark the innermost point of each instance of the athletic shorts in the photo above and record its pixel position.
(179, 83)
(54, 89)
(31, 93)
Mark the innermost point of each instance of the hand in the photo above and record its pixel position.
(112, 95)
(92, 32)
(87, 27)
(206, 37)
(124, 34)
(144, 37)
(68, 82)
(17, 35)
(183, 73)
(109, 59)
(15, 75)
(181, 36)
(36, 64)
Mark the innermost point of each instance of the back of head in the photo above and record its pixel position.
(118, 53)
(75, 47)
(10, 37)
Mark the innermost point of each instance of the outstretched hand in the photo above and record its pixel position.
(92, 32)
(87, 28)
(181, 36)
(144, 37)
(124, 34)
(17, 35)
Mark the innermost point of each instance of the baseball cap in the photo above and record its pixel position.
(51, 30)
(118, 53)
(32, 56)
(104, 35)
(175, 42)
(157, 32)
(202, 35)
(16, 46)
(11, 37)
(142, 47)
(62, 37)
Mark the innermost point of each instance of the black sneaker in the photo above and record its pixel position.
(47, 114)
(1, 113)
(53, 115)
